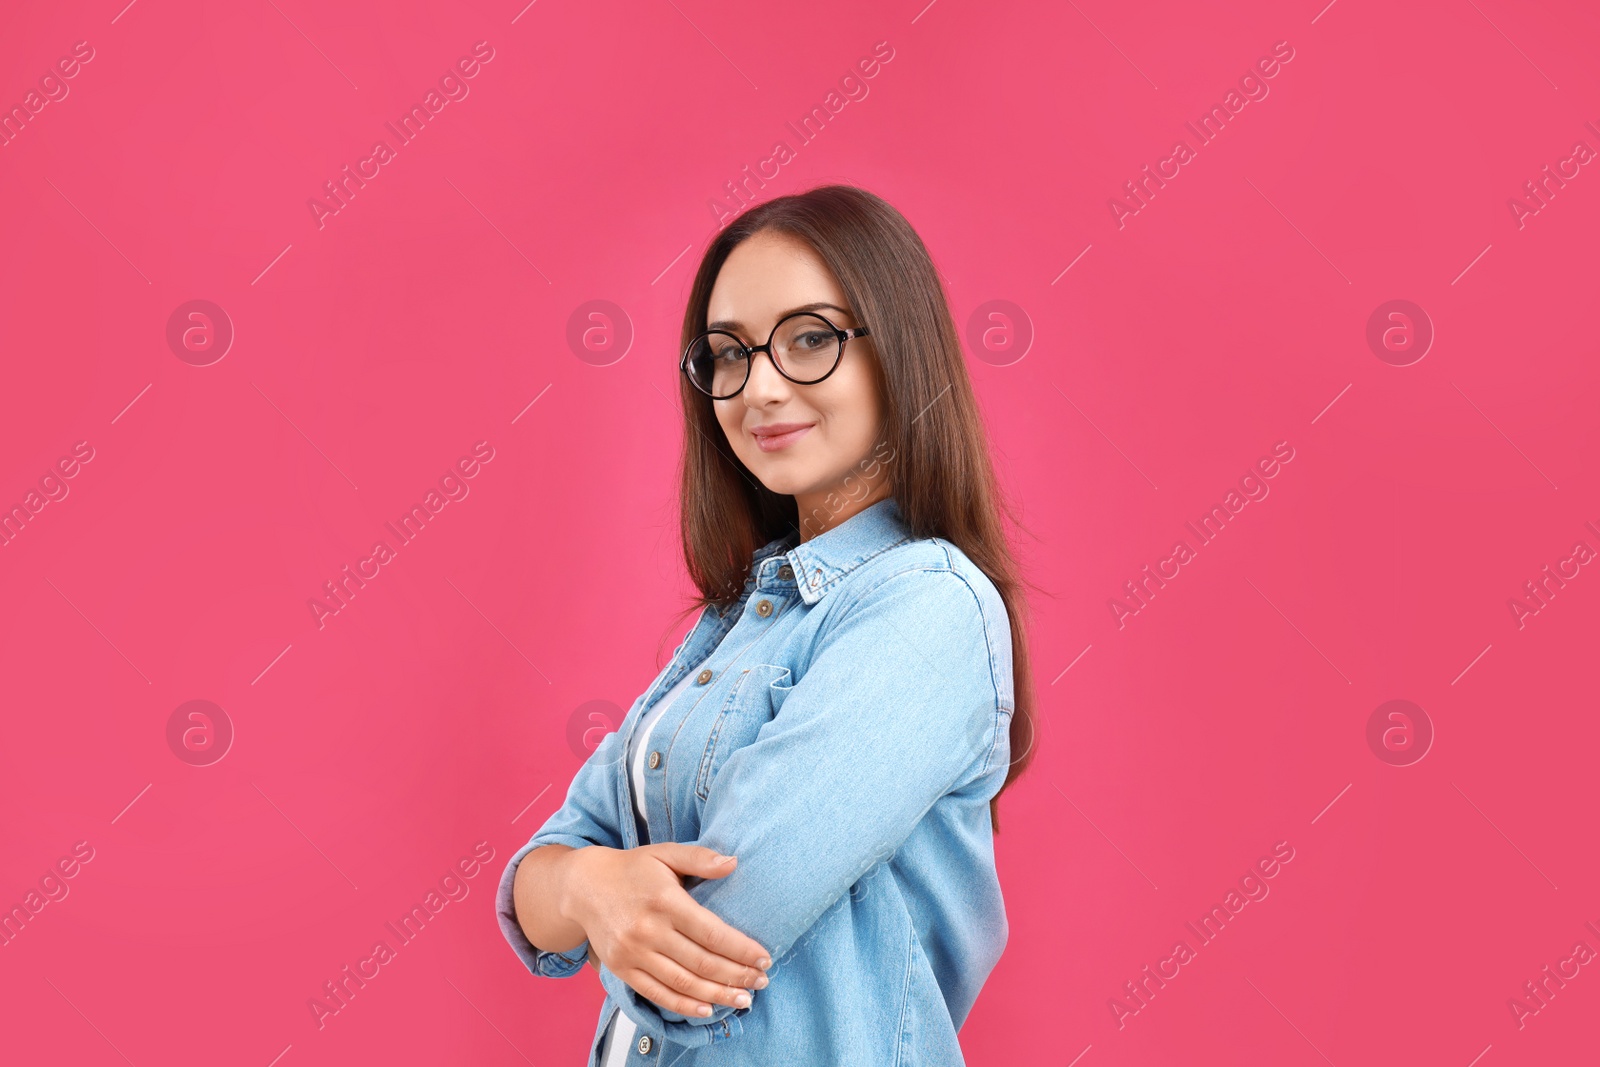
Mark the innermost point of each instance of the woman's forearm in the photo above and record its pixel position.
(540, 890)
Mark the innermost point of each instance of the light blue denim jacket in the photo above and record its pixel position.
(845, 746)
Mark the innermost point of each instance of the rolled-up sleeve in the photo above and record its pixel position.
(903, 700)
(587, 817)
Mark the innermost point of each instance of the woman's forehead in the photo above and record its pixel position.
(767, 276)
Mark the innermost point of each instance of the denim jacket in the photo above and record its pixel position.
(843, 738)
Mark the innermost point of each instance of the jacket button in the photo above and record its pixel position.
(655, 760)
(644, 1045)
(785, 572)
(703, 677)
(764, 608)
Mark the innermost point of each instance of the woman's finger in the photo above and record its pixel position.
(650, 989)
(704, 927)
(699, 960)
(680, 980)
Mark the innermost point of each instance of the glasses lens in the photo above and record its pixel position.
(806, 347)
(716, 363)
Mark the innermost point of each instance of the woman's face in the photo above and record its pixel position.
(837, 420)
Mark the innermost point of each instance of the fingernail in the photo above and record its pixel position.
(705, 1009)
(763, 963)
(761, 983)
(742, 1000)
(724, 859)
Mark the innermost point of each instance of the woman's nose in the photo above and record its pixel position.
(764, 378)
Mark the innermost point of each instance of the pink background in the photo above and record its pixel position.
(434, 310)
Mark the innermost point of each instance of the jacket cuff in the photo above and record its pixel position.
(723, 1022)
(539, 962)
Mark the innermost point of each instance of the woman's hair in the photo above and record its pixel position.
(940, 475)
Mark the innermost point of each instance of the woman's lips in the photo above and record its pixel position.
(773, 442)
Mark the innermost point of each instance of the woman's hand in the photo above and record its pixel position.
(656, 937)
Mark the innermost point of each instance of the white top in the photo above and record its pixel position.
(641, 737)
(619, 1037)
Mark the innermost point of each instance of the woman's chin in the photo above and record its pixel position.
(784, 486)
(782, 478)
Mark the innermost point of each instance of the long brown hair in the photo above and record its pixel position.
(941, 476)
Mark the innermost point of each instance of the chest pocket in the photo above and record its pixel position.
(755, 699)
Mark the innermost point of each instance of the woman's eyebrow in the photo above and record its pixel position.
(730, 324)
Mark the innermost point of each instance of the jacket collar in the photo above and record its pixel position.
(820, 563)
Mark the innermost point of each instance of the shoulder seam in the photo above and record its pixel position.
(983, 616)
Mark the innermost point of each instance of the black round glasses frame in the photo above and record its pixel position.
(750, 353)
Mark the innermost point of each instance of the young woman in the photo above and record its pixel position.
(784, 854)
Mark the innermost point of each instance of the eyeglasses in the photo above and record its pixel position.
(804, 347)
